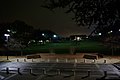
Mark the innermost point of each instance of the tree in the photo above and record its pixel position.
(3, 30)
(91, 13)
(21, 31)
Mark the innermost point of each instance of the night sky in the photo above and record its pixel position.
(31, 13)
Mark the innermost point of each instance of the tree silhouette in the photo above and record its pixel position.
(19, 31)
(90, 13)
(23, 32)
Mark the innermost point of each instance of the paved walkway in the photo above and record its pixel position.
(78, 58)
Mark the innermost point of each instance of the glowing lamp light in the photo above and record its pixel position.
(111, 31)
(54, 36)
(6, 35)
(8, 30)
(100, 34)
(43, 34)
(41, 41)
(78, 38)
(119, 29)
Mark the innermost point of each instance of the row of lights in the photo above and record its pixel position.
(41, 41)
(53, 35)
(108, 32)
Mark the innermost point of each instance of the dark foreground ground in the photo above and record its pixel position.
(58, 71)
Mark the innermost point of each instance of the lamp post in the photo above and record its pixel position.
(7, 39)
(7, 36)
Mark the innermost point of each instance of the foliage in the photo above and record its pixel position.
(13, 44)
(21, 31)
(3, 30)
(95, 13)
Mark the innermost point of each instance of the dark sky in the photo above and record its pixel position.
(31, 13)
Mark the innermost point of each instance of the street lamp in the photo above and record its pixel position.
(78, 38)
(8, 30)
(99, 34)
(43, 34)
(7, 36)
(111, 31)
(54, 36)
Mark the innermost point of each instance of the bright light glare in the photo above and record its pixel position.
(78, 38)
(100, 34)
(41, 41)
(43, 34)
(54, 36)
(110, 32)
(6, 35)
(8, 30)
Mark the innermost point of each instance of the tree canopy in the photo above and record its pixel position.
(90, 13)
(19, 33)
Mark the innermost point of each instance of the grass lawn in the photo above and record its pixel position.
(67, 47)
